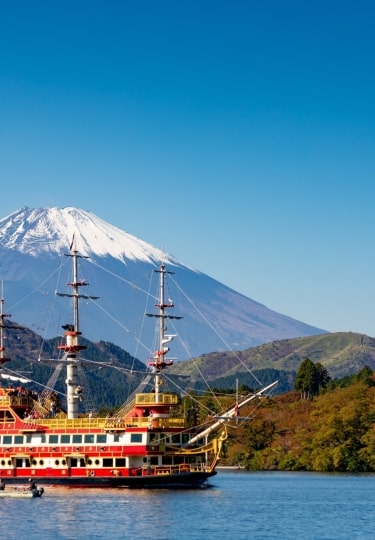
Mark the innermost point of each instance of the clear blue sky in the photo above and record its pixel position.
(238, 136)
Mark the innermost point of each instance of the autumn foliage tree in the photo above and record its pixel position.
(333, 431)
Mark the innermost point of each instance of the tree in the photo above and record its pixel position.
(311, 378)
(306, 379)
(366, 376)
(322, 376)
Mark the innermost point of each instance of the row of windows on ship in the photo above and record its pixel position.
(77, 461)
(91, 438)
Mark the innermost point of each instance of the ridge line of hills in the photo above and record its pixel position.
(341, 353)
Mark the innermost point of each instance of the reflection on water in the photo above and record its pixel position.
(239, 505)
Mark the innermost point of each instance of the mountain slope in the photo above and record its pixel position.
(119, 268)
(341, 353)
(34, 358)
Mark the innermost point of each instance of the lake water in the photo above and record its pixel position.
(237, 506)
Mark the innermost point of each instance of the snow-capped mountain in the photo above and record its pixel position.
(119, 268)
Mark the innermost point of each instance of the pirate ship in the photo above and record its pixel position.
(147, 443)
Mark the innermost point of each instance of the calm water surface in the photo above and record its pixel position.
(237, 506)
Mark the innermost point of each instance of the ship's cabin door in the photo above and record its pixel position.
(20, 462)
(76, 461)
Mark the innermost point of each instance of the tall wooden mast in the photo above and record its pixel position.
(72, 333)
(160, 360)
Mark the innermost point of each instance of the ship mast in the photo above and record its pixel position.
(4, 326)
(3, 315)
(72, 345)
(160, 361)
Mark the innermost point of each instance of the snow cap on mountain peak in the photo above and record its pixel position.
(34, 231)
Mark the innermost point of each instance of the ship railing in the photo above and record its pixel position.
(20, 401)
(163, 423)
(146, 422)
(108, 424)
(4, 401)
(68, 423)
(156, 399)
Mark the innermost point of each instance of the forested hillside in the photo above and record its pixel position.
(334, 431)
(107, 372)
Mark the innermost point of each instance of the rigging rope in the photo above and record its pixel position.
(88, 401)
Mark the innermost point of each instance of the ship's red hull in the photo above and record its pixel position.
(188, 480)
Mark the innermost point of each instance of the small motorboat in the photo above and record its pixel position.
(22, 493)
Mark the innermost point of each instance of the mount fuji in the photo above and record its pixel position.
(119, 269)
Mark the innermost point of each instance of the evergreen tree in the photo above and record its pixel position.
(310, 378)
(322, 376)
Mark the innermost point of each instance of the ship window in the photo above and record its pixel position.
(154, 460)
(101, 438)
(53, 439)
(120, 462)
(97, 462)
(154, 437)
(185, 438)
(18, 439)
(28, 438)
(65, 439)
(34, 462)
(107, 462)
(7, 439)
(89, 438)
(176, 439)
(116, 438)
(57, 462)
(77, 439)
(136, 437)
(2, 462)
